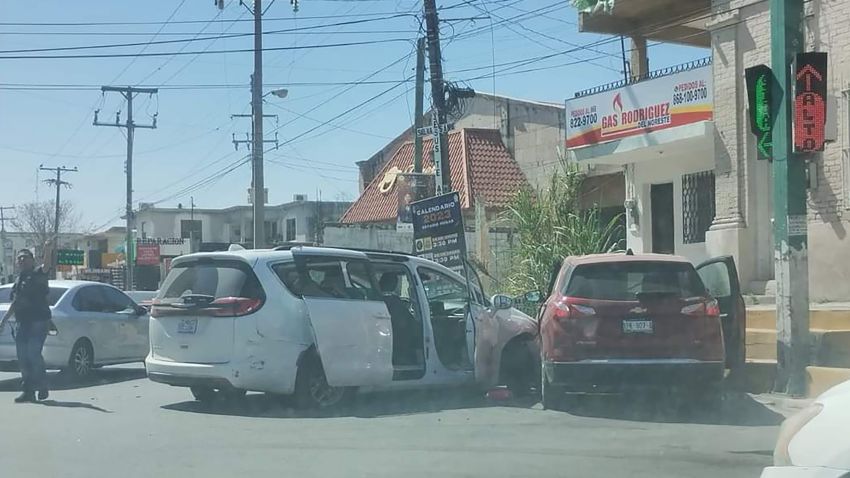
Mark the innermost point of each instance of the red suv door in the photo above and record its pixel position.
(720, 277)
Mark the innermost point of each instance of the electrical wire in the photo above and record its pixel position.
(201, 52)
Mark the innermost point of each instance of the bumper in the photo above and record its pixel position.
(803, 472)
(218, 376)
(609, 376)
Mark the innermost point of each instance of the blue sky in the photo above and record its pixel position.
(51, 125)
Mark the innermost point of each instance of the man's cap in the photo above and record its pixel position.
(25, 252)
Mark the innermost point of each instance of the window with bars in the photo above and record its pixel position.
(697, 205)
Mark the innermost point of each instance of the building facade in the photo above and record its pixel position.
(713, 161)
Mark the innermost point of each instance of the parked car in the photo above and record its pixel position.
(612, 322)
(321, 323)
(97, 324)
(813, 443)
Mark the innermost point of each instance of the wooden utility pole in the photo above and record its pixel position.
(438, 99)
(790, 235)
(128, 92)
(420, 105)
(57, 183)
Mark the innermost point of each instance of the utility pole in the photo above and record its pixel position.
(258, 183)
(58, 183)
(128, 92)
(420, 105)
(789, 206)
(4, 271)
(438, 98)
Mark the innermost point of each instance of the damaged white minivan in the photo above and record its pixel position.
(322, 323)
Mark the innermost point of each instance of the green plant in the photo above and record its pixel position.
(551, 225)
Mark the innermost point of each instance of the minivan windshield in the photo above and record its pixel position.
(627, 280)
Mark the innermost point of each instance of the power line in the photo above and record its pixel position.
(189, 40)
(201, 52)
(195, 22)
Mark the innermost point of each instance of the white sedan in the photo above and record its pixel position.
(97, 325)
(813, 443)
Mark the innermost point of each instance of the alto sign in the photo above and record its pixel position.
(810, 102)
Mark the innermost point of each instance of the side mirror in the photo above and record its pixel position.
(501, 302)
(141, 310)
(532, 296)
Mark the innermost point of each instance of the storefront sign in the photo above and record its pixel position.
(810, 102)
(438, 230)
(147, 254)
(759, 83)
(643, 107)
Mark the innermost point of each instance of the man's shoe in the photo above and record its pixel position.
(25, 397)
(43, 394)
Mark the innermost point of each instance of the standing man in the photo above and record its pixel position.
(32, 313)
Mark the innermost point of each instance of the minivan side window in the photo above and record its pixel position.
(330, 278)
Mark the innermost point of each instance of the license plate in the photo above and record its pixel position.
(637, 326)
(187, 326)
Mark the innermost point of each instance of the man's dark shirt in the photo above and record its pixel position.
(29, 294)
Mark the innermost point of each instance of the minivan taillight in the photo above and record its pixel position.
(233, 306)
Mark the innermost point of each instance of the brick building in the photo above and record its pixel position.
(721, 151)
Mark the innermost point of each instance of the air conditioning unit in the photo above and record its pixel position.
(299, 197)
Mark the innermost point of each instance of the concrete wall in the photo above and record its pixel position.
(742, 227)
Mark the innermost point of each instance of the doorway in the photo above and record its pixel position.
(663, 229)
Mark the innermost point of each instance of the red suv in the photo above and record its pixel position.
(618, 321)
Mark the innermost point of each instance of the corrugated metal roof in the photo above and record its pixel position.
(480, 165)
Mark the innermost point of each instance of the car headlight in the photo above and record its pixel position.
(790, 427)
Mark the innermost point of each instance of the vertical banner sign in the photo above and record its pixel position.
(438, 231)
(810, 102)
(759, 82)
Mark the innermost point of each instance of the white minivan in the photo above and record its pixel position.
(321, 323)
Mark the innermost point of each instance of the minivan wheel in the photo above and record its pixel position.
(81, 361)
(203, 394)
(312, 390)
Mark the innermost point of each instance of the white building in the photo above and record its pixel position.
(704, 176)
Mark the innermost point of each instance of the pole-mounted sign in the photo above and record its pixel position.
(759, 81)
(810, 102)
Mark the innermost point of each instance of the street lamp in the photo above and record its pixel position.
(280, 93)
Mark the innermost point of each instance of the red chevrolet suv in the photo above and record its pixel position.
(614, 322)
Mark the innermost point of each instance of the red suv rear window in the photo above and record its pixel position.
(625, 280)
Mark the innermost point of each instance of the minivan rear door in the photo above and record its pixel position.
(720, 277)
(350, 321)
(195, 312)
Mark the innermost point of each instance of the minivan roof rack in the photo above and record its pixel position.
(287, 247)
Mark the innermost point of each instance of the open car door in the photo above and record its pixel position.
(720, 276)
(350, 321)
(482, 331)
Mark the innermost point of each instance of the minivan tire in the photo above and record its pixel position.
(311, 387)
(203, 394)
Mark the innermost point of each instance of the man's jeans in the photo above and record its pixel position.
(29, 339)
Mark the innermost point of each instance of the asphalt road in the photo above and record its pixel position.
(122, 425)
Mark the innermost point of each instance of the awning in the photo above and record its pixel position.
(694, 138)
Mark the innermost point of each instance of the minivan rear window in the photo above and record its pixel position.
(53, 295)
(216, 278)
(626, 280)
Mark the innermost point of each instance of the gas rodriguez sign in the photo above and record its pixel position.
(652, 105)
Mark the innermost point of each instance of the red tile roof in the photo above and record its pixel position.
(481, 168)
